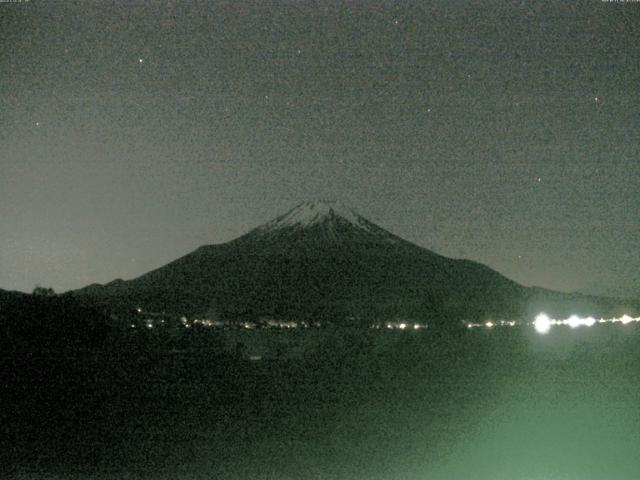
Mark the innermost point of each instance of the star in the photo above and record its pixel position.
(396, 21)
(37, 124)
(140, 60)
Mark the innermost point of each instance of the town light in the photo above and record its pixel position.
(542, 323)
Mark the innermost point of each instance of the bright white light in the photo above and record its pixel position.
(403, 326)
(488, 324)
(574, 321)
(542, 323)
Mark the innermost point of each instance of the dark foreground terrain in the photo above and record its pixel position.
(501, 404)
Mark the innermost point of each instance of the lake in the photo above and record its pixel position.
(505, 403)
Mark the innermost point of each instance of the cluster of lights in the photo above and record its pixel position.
(285, 324)
(491, 324)
(399, 326)
(271, 324)
(151, 323)
(205, 322)
(543, 323)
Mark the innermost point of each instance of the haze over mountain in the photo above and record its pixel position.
(323, 261)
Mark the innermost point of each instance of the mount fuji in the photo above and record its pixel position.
(323, 261)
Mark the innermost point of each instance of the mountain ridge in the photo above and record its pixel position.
(321, 260)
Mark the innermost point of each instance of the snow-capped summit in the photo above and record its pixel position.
(311, 213)
(332, 215)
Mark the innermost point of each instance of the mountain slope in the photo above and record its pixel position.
(322, 260)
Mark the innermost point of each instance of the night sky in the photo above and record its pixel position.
(504, 132)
